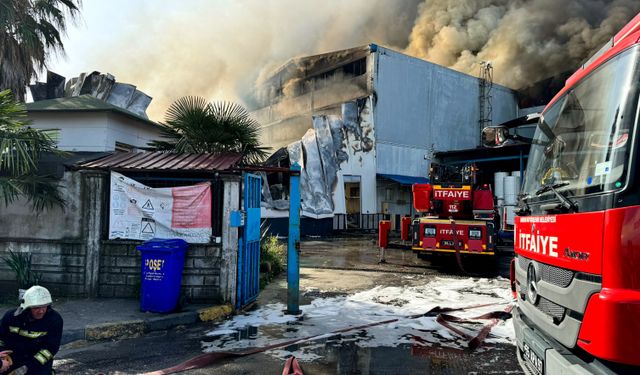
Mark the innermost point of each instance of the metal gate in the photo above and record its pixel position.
(249, 247)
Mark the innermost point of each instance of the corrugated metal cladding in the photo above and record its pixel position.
(164, 161)
(423, 107)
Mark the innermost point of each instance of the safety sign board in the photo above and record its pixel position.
(141, 213)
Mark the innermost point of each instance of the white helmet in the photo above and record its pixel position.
(34, 296)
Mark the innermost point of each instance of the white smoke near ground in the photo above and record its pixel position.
(525, 41)
(218, 49)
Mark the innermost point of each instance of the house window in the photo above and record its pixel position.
(123, 147)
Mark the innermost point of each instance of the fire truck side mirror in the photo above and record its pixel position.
(495, 136)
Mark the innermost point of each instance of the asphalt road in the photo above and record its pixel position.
(330, 268)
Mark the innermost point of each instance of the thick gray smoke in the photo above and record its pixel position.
(218, 49)
(525, 40)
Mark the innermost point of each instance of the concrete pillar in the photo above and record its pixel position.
(229, 253)
(94, 197)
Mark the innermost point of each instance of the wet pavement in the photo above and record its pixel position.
(363, 254)
(336, 294)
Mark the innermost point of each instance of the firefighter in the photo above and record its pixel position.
(30, 335)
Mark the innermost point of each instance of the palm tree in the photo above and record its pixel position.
(29, 31)
(20, 151)
(194, 125)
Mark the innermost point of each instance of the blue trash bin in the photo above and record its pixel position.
(162, 264)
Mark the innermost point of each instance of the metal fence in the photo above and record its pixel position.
(358, 221)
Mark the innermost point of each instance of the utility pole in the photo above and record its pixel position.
(293, 248)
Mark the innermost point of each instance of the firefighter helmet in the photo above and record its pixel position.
(34, 297)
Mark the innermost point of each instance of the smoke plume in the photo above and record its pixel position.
(525, 40)
(219, 49)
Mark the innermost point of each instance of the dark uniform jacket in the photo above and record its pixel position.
(33, 342)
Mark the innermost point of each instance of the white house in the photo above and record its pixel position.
(88, 124)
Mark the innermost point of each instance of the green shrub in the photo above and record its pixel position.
(272, 253)
(20, 264)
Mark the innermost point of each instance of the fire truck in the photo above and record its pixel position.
(458, 213)
(576, 274)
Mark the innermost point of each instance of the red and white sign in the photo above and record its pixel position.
(139, 212)
(452, 194)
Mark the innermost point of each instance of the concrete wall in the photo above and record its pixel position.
(94, 131)
(422, 107)
(61, 263)
(71, 251)
(19, 221)
(120, 271)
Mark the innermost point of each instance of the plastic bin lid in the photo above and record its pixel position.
(164, 244)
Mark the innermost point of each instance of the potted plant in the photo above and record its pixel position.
(20, 264)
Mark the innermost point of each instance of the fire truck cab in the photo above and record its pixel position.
(576, 275)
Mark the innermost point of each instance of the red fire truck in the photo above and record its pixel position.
(576, 274)
(458, 213)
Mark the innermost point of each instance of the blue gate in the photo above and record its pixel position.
(249, 249)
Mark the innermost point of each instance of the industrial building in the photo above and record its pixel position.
(365, 123)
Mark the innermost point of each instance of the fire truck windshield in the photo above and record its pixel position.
(582, 140)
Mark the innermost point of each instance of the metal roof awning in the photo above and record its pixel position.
(164, 161)
(405, 180)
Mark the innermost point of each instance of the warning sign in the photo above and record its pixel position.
(148, 205)
(140, 212)
(148, 227)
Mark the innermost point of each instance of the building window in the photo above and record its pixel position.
(356, 68)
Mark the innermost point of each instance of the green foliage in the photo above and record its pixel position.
(20, 151)
(272, 253)
(29, 32)
(194, 125)
(20, 264)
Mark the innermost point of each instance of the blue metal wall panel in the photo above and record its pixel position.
(422, 106)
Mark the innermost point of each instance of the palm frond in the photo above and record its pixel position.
(31, 31)
(20, 150)
(195, 125)
(41, 192)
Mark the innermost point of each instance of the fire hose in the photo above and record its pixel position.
(440, 313)
(456, 245)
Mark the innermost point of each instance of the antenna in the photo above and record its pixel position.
(486, 83)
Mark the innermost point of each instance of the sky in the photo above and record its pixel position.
(216, 49)
(219, 49)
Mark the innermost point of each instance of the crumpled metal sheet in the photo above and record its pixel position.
(121, 94)
(320, 153)
(337, 135)
(322, 126)
(317, 200)
(73, 86)
(96, 84)
(139, 103)
(52, 89)
(295, 153)
(101, 85)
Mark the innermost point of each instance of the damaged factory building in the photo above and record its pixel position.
(363, 124)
